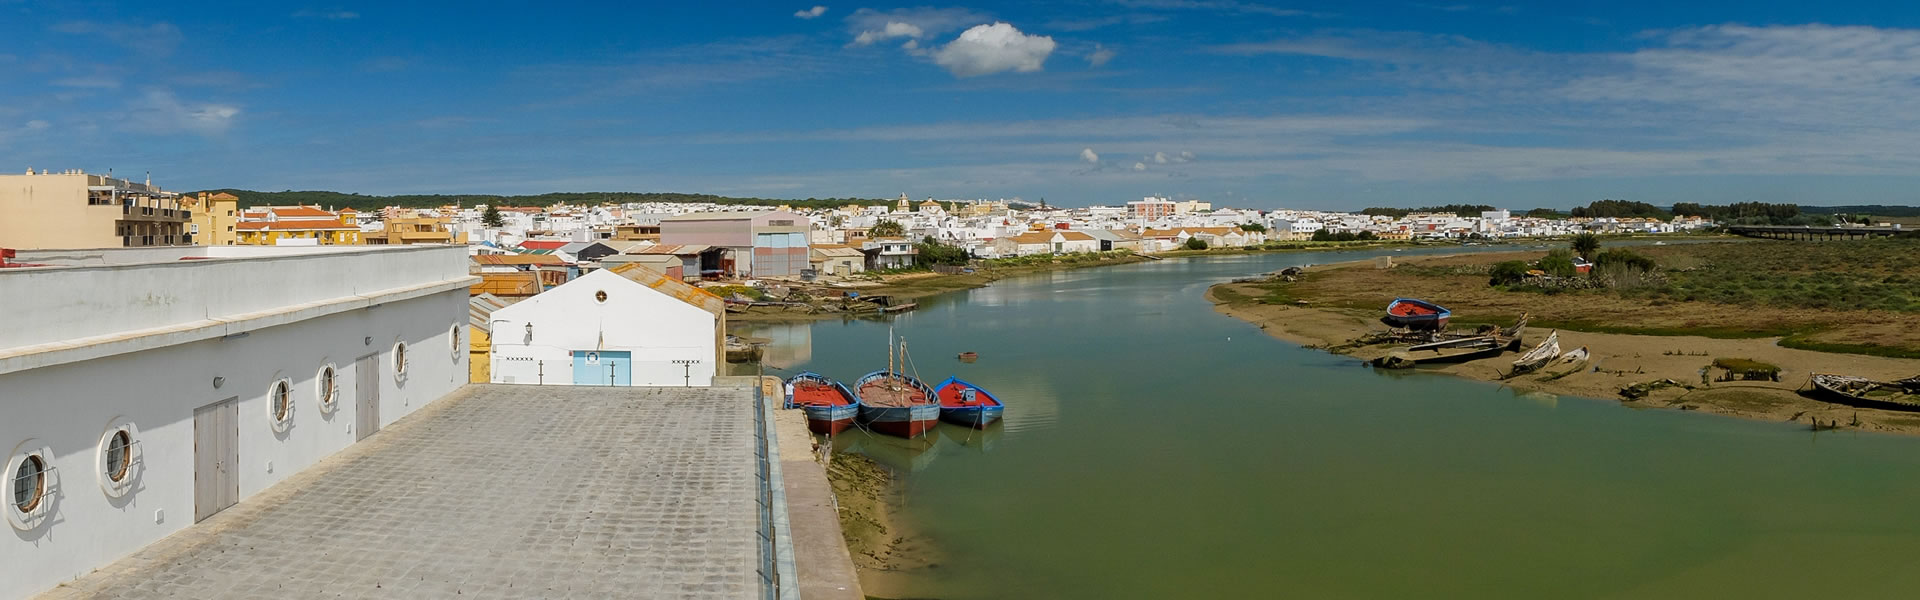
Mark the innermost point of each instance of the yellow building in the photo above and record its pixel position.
(214, 218)
(410, 227)
(73, 209)
(296, 225)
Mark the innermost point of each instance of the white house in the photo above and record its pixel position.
(143, 391)
(623, 326)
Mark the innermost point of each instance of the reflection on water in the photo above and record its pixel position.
(1153, 448)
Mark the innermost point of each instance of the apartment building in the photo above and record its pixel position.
(74, 209)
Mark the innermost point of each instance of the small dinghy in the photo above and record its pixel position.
(829, 405)
(1416, 314)
(1538, 357)
(963, 403)
(967, 357)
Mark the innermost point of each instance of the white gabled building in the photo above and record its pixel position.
(623, 326)
(146, 389)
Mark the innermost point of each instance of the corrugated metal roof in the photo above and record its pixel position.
(687, 293)
(480, 310)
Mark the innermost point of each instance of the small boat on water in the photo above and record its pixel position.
(829, 405)
(1866, 393)
(1416, 314)
(1539, 356)
(963, 403)
(968, 357)
(896, 404)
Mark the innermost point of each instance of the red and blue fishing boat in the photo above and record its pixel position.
(829, 405)
(963, 403)
(896, 404)
(1416, 314)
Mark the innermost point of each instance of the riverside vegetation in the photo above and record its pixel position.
(1652, 314)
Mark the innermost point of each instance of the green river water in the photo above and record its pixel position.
(1153, 448)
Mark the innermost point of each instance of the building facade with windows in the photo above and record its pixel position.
(214, 218)
(743, 244)
(73, 209)
(142, 393)
(622, 326)
(297, 226)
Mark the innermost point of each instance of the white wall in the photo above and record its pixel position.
(657, 328)
(69, 406)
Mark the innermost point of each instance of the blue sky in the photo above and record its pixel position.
(1244, 103)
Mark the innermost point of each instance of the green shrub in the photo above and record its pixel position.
(1509, 272)
(1624, 257)
(1194, 243)
(1558, 263)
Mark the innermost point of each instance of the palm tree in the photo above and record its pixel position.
(1586, 244)
(887, 229)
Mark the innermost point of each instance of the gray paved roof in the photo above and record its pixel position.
(499, 492)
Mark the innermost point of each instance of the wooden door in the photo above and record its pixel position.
(216, 457)
(366, 396)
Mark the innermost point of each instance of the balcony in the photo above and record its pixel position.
(154, 213)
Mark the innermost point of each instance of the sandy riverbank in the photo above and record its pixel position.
(1619, 360)
(886, 553)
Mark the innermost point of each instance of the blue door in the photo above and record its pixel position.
(602, 367)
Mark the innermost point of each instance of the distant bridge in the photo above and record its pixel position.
(1791, 232)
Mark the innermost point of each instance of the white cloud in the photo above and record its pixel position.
(1139, 166)
(869, 26)
(330, 15)
(104, 83)
(158, 39)
(1100, 56)
(160, 112)
(37, 124)
(989, 49)
(1088, 155)
(1160, 158)
(811, 13)
(893, 29)
(1226, 6)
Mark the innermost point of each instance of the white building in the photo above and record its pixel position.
(610, 327)
(144, 391)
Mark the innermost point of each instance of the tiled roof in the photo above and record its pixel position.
(544, 244)
(690, 294)
(517, 259)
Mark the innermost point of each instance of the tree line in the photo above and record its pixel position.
(363, 202)
(1463, 210)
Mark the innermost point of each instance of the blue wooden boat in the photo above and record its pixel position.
(963, 403)
(1413, 313)
(829, 405)
(896, 404)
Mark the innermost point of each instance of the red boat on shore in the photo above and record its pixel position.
(1416, 314)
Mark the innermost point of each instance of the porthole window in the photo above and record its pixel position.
(328, 387)
(280, 400)
(400, 359)
(29, 484)
(453, 335)
(600, 296)
(119, 455)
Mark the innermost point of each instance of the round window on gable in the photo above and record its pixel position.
(600, 296)
(453, 334)
(30, 483)
(119, 455)
(400, 359)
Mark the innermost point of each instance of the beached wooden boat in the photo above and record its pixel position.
(1864, 393)
(963, 403)
(896, 404)
(1416, 314)
(1456, 350)
(829, 405)
(1539, 356)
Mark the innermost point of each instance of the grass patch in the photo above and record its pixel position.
(1801, 342)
